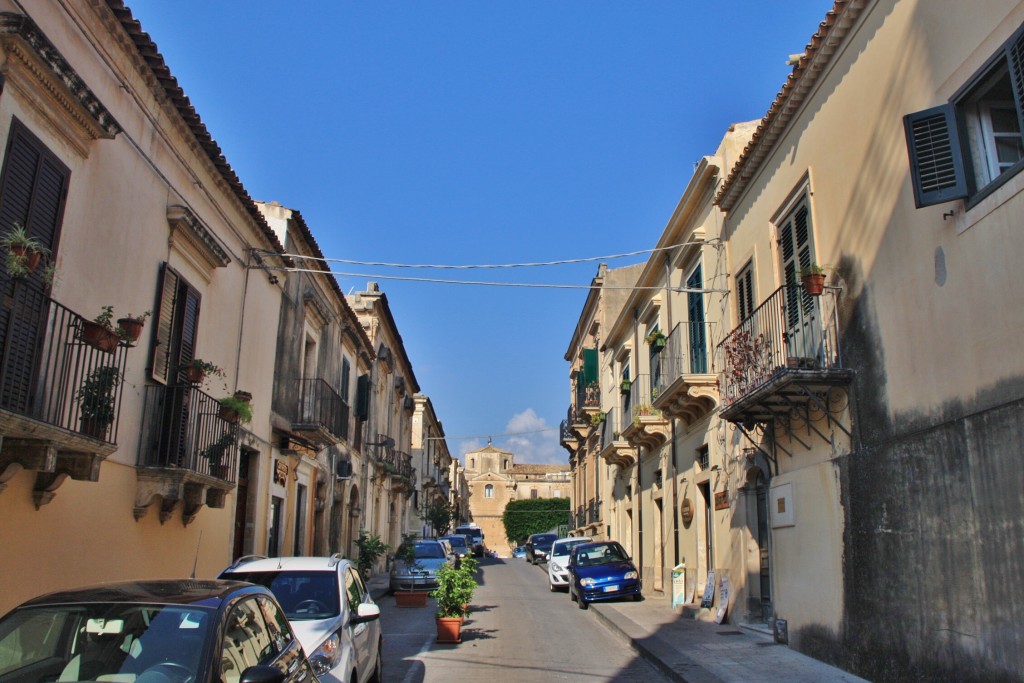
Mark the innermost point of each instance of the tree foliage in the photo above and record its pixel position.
(439, 515)
(534, 516)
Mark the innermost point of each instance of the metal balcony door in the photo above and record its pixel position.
(762, 544)
(796, 251)
(695, 315)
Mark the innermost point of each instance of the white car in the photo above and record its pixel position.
(329, 608)
(558, 575)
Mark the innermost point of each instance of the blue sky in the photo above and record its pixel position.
(458, 132)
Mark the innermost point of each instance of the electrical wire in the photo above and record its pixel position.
(485, 283)
(489, 436)
(560, 262)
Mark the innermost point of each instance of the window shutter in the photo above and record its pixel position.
(362, 396)
(936, 162)
(346, 370)
(1015, 56)
(32, 192)
(161, 365)
(589, 366)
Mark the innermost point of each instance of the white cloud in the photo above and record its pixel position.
(535, 443)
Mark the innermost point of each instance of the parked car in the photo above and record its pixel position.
(185, 631)
(601, 571)
(460, 544)
(558, 572)
(519, 551)
(329, 607)
(538, 547)
(476, 536)
(422, 573)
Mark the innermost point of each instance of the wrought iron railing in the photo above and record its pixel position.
(587, 396)
(611, 429)
(790, 330)
(639, 398)
(182, 428)
(50, 374)
(685, 353)
(320, 404)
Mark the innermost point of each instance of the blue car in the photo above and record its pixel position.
(601, 571)
(519, 551)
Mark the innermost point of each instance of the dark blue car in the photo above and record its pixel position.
(601, 571)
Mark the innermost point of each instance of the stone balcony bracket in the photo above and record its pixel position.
(648, 431)
(177, 488)
(690, 397)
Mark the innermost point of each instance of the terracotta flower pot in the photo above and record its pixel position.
(132, 328)
(449, 629)
(411, 598)
(90, 426)
(814, 283)
(99, 337)
(195, 375)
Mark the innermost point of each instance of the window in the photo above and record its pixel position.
(971, 145)
(177, 326)
(489, 491)
(533, 493)
(695, 314)
(247, 641)
(745, 292)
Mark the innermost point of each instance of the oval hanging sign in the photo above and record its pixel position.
(686, 510)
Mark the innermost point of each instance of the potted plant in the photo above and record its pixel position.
(235, 410)
(812, 278)
(406, 554)
(215, 452)
(597, 418)
(625, 385)
(96, 399)
(370, 549)
(455, 586)
(197, 369)
(129, 328)
(99, 333)
(23, 251)
(656, 339)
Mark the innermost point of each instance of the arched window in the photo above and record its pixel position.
(489, 491)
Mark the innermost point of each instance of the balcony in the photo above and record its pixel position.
(647, 426)
(188, 453)
(614, 447)
(323, 415)
(395, 464)
(784, 360)
(684, 384)
(588, 402)
(60, 397)
(567, 435)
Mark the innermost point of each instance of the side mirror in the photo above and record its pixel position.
(262, 673)
(366, 612)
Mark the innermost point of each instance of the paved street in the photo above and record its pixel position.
(517, 629)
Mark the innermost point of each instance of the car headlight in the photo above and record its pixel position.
(555, 567)
(631, 574)
(326, 656)
(587, 582)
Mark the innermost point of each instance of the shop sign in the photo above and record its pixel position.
(280, 472)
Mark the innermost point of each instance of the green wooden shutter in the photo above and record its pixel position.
(936, 162)
(589, 366)
(346, 371)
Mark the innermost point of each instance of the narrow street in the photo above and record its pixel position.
(516, 628)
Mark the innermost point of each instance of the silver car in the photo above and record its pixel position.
(421, 574)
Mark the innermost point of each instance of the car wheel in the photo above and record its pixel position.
(552, 587)
(572, 595)
(638, 597)
(581, 602)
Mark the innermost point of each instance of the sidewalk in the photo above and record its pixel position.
(693, 651)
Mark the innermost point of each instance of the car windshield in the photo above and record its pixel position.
(600, 554)
(561, 549)
(456, 541)
(544, 539)
(102, 641)
(429, 551)
(302, 594)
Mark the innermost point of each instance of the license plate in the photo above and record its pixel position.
(610, 589)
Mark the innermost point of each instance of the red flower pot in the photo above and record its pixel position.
(814, 284)
(132, 328)
(449, 629)
(99, 337)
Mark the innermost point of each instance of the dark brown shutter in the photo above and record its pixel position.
(33, 188)
(363, 396)
(164, 321)
(1015, 55)
(936, 162)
